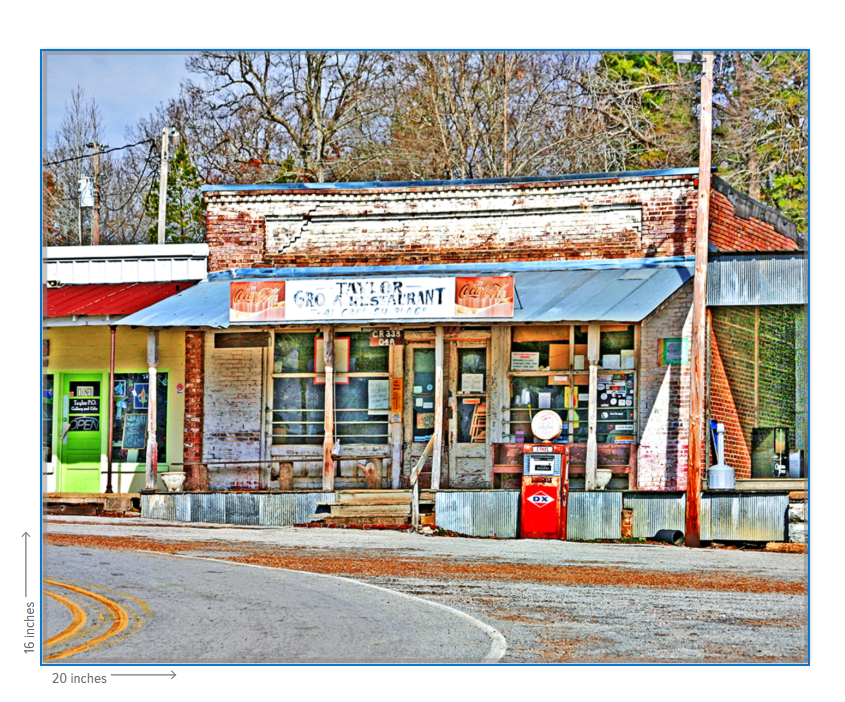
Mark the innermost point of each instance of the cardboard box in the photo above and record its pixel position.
(558, 356)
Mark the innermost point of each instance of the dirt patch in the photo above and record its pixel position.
(440, 569)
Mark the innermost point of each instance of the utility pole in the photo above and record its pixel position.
(699, 307)
(95, 228)
(162, 185)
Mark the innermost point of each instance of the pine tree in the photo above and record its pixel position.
(184, 221)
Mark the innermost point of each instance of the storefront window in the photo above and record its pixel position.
(549, 371)
(361, 389)
(129, 414)
(298, 397)
(47, 417)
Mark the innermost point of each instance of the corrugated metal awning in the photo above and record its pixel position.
(591, 291)
(102, 299)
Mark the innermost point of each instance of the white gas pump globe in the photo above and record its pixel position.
(546, 425)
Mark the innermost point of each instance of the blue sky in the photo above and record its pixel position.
(127, 85)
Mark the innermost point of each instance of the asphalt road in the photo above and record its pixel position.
(552, 601)
(192, 610)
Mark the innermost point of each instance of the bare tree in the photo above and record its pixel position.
(321, 103)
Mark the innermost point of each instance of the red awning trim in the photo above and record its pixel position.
(107, 298)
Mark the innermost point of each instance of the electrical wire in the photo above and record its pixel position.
(107, 151)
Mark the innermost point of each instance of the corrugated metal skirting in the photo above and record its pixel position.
(488, 513)
(740, 517)
(291, 508)
(594, 515)
(656, 511)
(235, 508)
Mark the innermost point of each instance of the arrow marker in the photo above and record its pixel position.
(25, 536)
(170, 675)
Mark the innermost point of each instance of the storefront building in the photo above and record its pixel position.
(342, 327)
(88, 290)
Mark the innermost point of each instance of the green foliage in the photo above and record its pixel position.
(184, 220)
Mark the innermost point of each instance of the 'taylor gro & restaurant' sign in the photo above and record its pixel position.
(317, 299)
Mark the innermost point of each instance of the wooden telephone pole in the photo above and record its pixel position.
(95, 227)
(699, 307)
(162, 185)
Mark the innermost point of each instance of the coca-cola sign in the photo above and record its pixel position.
(484, 297)
(260, 301)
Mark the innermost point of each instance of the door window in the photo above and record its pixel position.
(472, 395)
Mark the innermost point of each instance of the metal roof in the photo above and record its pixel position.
(758, 278)
(594, 291)
(455, 183)
(111, 299)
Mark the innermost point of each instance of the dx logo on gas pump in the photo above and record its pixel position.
(540, 499)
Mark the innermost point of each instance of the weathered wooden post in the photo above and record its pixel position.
(593, 337)
(152, 444)
(328, 425)
(437, 452)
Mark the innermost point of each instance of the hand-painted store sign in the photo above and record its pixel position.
(371, 298)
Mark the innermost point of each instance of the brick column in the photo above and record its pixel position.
(194, 413)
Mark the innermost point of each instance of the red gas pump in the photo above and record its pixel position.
(545, 482)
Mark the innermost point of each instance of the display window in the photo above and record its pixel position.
(362, 389)
(422, 396)
(129, 417)
(549, 370)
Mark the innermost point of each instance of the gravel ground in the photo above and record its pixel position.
(553, 601)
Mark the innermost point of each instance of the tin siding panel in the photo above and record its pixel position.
(183, 508)
(749, 517)
(158, 507)
(289, 509)
(241, 508)
(757, 280)
(488, 513)
(208, 508)
(594, 515)
(653, 512)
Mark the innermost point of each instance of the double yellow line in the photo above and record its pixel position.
(120, 619)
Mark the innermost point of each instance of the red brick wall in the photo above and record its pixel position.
(731, 233)
(235, 240)
(194, 391)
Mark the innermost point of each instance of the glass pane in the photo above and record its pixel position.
(131, 397)
(472, 362)
(355, 422)
(529, 388)
(47, 417)
(615, 413)
(298, 411)
(423, 395)
(364, 358)
(294, 353)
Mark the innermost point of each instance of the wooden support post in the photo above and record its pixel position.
(396, 427)
(110, 413)
(697, 361)
(439, 400)
(593, 333)
(328, 437)
(152, 444)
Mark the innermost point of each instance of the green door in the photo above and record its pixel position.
(82, 423)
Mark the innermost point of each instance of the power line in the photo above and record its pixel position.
(107, 151)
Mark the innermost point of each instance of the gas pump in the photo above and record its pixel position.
(545, 481)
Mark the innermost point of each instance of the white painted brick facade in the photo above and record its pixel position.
(233, 413)
(664, 398)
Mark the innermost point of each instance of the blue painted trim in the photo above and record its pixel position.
(453, 268)
(447, 183)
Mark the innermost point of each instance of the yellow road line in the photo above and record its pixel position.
(76, 611)
(119, 617)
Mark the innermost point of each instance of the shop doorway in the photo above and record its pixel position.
(80, 445)
(420, 375)
(467, 385)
